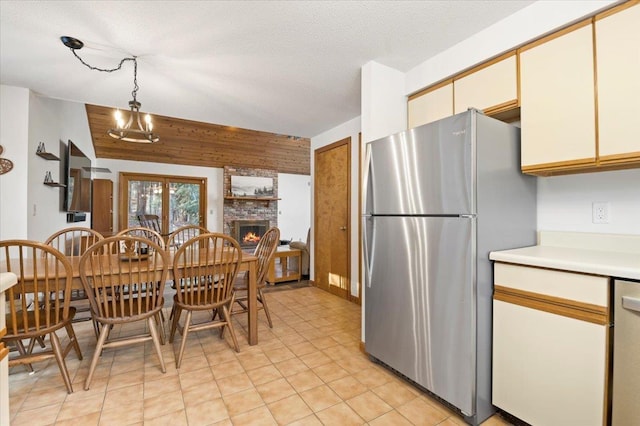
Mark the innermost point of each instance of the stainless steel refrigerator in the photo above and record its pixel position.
(438, 199)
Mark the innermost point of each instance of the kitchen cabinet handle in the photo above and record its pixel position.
(631, 303)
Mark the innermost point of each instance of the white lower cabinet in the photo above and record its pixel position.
(550, 351)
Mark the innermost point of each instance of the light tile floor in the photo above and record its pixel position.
(307, 370)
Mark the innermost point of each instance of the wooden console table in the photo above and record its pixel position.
(280, 269)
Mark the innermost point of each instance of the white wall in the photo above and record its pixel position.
(349, 129)
(565, 202)
(14, 138)
(384, 104)
(30, 209)
(53, 121)
(294, 207)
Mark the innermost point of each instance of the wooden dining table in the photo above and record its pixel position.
(248, 263)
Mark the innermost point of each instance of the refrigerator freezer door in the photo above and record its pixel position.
(427, 170)
(418, 301)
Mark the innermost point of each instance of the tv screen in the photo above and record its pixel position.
(78, 195)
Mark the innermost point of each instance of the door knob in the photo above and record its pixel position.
(343, 228)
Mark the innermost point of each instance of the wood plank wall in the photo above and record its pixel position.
(202, 144)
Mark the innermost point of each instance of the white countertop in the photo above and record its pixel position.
(7, 279)
(585, 258)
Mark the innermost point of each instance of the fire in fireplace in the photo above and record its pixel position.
(249, 232)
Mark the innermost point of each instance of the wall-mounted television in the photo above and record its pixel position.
(78, 173)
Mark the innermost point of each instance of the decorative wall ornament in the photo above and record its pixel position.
(6, 165)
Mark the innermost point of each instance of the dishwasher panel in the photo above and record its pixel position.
(626, 353)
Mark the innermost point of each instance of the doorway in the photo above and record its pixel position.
(176, 200)
(332, 193)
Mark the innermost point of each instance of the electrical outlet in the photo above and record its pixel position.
(600, 213)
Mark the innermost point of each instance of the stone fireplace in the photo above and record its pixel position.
(248, 232)
(242, 215)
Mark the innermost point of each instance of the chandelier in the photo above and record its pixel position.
(133, 130)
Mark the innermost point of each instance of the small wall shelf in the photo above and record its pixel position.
(47, 178)
(48, 156)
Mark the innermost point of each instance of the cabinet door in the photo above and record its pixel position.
(430, 106)
(102, 206)
(491, 89)
(548, 369)
(618, 68)
(558, 102)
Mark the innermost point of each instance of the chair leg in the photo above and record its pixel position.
(174, 323)
(159, 319)
(22, 351)
(227, 317)
(156, 342)
(33, 340)
(183, 343)
(72, 337)
(94, 361)
(57, 352)
(264, 306)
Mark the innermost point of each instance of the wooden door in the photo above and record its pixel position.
(102, 206)
(331, 211)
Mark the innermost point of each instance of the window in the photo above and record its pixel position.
(176, 200)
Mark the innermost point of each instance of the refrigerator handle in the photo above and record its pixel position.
(367, 251)
(367, 191)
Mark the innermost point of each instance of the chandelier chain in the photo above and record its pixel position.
(135, 70)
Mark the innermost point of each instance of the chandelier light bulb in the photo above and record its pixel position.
(119, 120)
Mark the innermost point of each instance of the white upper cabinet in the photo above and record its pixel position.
(430, 106)
(557, 101)
(492, 88)
(618, 82)
(577, 89)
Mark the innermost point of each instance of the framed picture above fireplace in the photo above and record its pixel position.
(252, 187)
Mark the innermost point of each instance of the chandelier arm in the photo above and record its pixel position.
(129, 122)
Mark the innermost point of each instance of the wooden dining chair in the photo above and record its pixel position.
(179, 237)
(39, 304)
(141, 231)
(183, 234)
(74, 241)
(150, 221)
(124, 288)
(206, 267)
(264, 251)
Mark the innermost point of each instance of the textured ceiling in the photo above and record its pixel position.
(285, 67)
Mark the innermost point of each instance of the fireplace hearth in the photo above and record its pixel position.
(248, 232)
